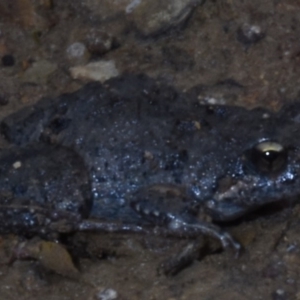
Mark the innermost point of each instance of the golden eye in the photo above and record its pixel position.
(269, 156)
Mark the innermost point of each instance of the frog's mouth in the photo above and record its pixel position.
(228, 202)
(234, 198)
(226, 210)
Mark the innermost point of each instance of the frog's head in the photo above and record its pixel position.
(267, 171)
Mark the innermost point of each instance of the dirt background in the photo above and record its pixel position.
(237, 52)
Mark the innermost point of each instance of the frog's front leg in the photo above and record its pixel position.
(176, 214)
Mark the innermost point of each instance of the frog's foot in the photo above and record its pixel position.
(228, 241)
(182, 228)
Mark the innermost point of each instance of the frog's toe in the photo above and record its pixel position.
(228, 241)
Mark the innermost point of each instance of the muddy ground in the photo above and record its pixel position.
(238, 52)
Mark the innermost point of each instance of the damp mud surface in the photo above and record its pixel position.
(223, 52)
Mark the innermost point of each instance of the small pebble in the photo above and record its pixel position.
(107, 294)
(249, 34)
(8, 60)
(76, 50)
(154, 17)
(78, 53)
(98, 71)
(99, 42)
(132, 5)
(279, 294)
(17, 165)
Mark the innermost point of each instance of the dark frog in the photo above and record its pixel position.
(136, 155)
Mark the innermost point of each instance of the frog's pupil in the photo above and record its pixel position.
(271, 155)
(269, 160)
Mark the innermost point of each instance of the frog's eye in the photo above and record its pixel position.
(269, 156)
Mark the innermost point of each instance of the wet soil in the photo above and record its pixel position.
(236, 52)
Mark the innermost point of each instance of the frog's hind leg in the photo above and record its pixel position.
(174, 227)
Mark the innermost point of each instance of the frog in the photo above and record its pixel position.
(136, 155)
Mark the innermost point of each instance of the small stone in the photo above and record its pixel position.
(17, 165)
(78, 52)
(99, 42)
(279, 294)
(249, 34)
(98, 71)
(8, 60)
(132, 5)
(55, 257)
(156, 16)
(106, 294)
(211, 100)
